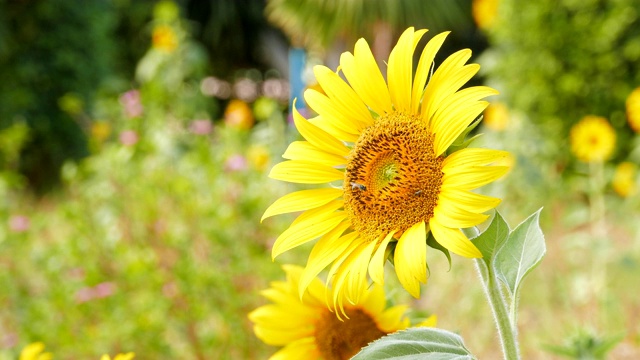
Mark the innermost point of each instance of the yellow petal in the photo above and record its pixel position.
(343, 96)
(446, 80)
(455, 114)
(332, 276)
(324, 252)
(319, 212)
(431, 321)
(374, 301)
(301, 200)
(318, 137)
(282, 318)
(376, 266)
(399, 71)
(424, 66)
(333, 129)
(306, 231)
(392, 319)
(410, 258)
(468, 200)
(315, 297)
(472, 177)
(304, 348)
(280, 337)
(472, 157)
(330, 111)
(357, 284)
(454, 240)
(350, 279)
(305, 172)
(450, 126)
(449, 214)
(303, 150)
(365, 77)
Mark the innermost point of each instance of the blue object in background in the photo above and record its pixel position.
(297, 60)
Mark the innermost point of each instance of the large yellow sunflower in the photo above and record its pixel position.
(309, 330)
(592, 139)
(383, 149)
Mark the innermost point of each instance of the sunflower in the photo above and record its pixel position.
(127, 356)
(633, 110)
(309, 330)
(385, 152)
(35, 351)
(592, 139)
(484, 12)
(496, 117)
(624, 179)
(164, 38)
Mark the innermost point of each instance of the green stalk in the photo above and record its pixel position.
(506, 330)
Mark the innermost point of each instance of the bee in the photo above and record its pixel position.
(355, 185)
(417, 193)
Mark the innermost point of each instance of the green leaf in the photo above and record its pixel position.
(433, 243)
(520, 253)
(420, 343)
(492, 239)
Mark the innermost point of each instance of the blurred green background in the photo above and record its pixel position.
(136, 138)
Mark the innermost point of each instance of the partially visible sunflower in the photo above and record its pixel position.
(592, 139)
(397, 163)
(309, 330)
(496, 117)
(127, 356)
(484, 12)
(35, 351)
(624, 179)
(164, 38)
(633, 110)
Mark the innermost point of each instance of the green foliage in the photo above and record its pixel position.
(521, 253)
(42, 62)
(153, 246)
(511, 255)
(557, 61)
(417, 344)
(320, 23)
(585, 345)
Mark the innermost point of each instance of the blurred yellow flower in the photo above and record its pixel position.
(592, 139)
(389, 145)
(624, 179)
(164, 38)
(633, 110)
(238, 115)
(100, 130)
(34, 351)
(258, 156)
(127, 356)
(309, 330)
(484, 12)
(496, 117)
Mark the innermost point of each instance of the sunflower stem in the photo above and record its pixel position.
(506, 330)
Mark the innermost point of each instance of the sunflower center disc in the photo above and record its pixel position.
(341, 340)
(393, 177)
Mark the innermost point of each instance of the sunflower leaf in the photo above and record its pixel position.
(433, 243)
(461, 142)
(417, 343)
(492, 239)
(522, 252)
